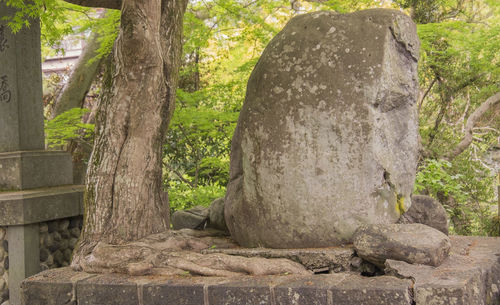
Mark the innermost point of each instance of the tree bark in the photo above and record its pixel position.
(471, 122)
(123, 199)
(81, 78)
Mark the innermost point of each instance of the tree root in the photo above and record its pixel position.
(178, 253)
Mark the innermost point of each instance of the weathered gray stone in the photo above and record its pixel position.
(23, 257)
(37, 205)
(412, 243)
(327, 136)
(107, 289)
(313, 290)
(31, 169)
(242, 291)
(470, 276)
(75, 232)
(21, 114)
(194, 218)
(334, 259)
(216, 215)
(48, 288)
(173, 293)
(381, 290)
(428, 211)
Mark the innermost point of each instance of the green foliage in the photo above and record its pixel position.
(459, 57)
(465, 188)
(434, 177)
(68, 126)
(59, 20)
(183, 197)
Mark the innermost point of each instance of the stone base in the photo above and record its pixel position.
(22, 170)
(470, 276)
(39, 205)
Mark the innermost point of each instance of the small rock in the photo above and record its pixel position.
(50, 261)
(65, 234)
(5, 245)
(56, 236)
(412, 243)
(2, 271)
(75, 232)
(44, 228)
(52, 226)
(67, 254)
(356, 262)
(195, 218)
(58, 258)
(48, 241)
(63, 225)
(6, 303)
(43, 267)
(72, 242)
(3, 232)
(6, 263)
(428, 211)
(63, 244)
(44, 254)
(216, 215)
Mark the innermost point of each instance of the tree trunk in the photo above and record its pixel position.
(83, 74)
(124, 200)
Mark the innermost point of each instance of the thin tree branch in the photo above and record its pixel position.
(425, 94)
(176, 172)
(471, 121)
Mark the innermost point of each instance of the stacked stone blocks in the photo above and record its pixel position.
(35, 185)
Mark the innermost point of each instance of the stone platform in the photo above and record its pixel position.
(470, 276)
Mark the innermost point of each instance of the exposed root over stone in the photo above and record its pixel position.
(178, 252)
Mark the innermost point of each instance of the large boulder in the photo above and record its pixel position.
(428, 211)
(327, 136)
(413, 243)
(194, 218)
(216, 215)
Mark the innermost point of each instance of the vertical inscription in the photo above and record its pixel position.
(4, 90)
(3, 40)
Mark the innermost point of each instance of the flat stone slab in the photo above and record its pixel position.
(38, 205)
(334, 259)
(413, 243)
(471, 275)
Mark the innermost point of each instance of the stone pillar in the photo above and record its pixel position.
(35, 185)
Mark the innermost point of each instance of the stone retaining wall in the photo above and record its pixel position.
(470, 276)
(4, 265)
(57, 241)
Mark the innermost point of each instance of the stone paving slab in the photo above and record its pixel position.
(470, 276)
